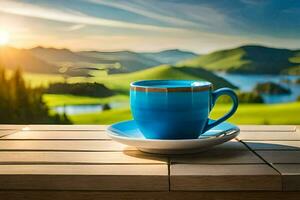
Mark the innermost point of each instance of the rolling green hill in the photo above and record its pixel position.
(244, 59)
(249, 59)
(121, 82)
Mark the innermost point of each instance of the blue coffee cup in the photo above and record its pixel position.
(176, 109)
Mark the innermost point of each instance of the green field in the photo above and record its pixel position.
(287, 113)
(120, 82)
(64, 99)
(38, 80)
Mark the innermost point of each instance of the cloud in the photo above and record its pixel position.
(70, 16)
(205, 16)
(254, 2)
(201, 26)
(75, 27)
(198, 16)
(134, 7)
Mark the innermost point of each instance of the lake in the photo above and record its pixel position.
(246, 83)
(81, 109)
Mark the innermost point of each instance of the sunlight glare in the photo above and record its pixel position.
(4, 37)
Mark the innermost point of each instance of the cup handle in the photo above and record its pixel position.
(215, 95)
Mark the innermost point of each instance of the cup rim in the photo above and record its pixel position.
(174, 85)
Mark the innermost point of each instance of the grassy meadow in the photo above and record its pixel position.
(120, 82)
(65, 99)
(285, 113)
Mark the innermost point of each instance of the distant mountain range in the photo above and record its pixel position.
(171, 56)
(13, 58)
(121, 61)
(249, 59)
(49, 60)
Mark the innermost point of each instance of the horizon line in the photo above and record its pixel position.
(150, 51)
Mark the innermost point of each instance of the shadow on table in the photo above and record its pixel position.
(218, 153)
(142, 155)
(273, 145)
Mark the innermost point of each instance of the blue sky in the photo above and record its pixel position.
(150, 25)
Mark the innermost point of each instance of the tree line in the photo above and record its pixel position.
(80, 89)
(22, 104)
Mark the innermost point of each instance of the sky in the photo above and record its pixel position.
(201, 26)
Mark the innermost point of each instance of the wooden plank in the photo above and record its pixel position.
(232, 145)
(57, 127)
(46, 157)
(248, 128)
(3, 133)
(137, 195)
(90, 145)
(58, 135)
(84, 177)
(268, 135)
(12, 126)
(62, 145)
(298, 129)
(187, 177)
(218, 157)
(273, 145)
(290, 176)
(267, 128)
(280, 156)
(288, 169)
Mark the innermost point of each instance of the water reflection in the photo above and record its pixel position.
(80, 109)
(246, 83)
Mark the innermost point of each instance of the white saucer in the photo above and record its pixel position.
(127, 133)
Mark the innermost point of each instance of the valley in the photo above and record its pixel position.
(239, 68)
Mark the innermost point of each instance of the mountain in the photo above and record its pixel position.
(121, 82)
(249, 59)
(171, 56)
(53, 60)
(129, 61)
(61, 56)
(12, 58)
(68, 61)
(115, 62)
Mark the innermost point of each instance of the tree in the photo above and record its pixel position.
(22, 104)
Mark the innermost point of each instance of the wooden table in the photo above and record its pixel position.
(81, 162)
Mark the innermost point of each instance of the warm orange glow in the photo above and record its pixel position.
(4, 37)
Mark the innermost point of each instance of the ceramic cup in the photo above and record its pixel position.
(176, 109)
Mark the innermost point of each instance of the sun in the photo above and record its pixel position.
(4, 37)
